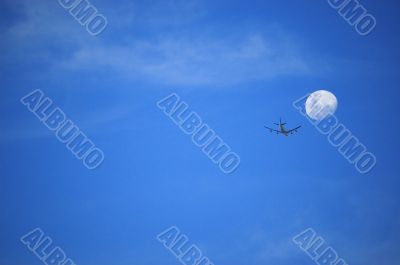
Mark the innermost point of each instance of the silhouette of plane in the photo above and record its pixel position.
(282, 130)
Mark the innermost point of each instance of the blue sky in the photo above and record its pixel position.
(239, 65)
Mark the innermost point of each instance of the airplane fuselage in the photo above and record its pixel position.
(283, 131)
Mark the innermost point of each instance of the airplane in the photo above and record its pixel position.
(282, 130)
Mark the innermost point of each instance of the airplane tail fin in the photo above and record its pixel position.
(280, 122)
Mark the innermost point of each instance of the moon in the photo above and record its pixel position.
(320, 104)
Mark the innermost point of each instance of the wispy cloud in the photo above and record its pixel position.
(170, 56)
(196, 61)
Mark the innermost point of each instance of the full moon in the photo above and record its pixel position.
(320, 104)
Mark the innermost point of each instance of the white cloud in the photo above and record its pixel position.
(166, 54)
(196, 61)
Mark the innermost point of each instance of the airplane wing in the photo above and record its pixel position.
(294, 130)
(272, 130)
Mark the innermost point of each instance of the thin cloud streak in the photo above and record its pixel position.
(201, 61)
(172, 56)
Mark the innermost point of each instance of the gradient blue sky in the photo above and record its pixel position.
(240, 65)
